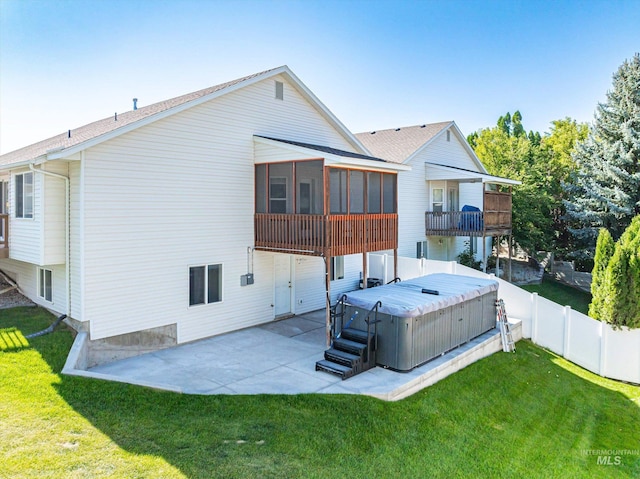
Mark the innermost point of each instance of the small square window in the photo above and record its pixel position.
(205, 284)
(45, 284)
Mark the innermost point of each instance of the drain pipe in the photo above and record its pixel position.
(66, 230)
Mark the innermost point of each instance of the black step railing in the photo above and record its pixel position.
(336, 314)
(372, 321)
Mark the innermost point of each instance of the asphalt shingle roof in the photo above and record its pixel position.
(325, 149)
(107, 125)
(397, 144)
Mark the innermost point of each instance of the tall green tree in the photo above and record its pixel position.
(621, 302)
(605, 247)
(605, 191)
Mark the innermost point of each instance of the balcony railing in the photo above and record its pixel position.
(4, 236)
(331, 235)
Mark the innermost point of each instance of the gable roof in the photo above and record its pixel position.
(398, 144)
(78, 139)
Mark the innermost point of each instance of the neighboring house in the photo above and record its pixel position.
(199, 215)
(437, 198)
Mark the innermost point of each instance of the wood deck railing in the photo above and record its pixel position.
(494, 220)
(331, 235)
(4, 236)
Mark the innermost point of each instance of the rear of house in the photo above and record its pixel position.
(155, 220)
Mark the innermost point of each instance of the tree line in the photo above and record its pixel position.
(579, 181)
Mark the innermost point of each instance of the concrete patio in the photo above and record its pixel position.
(275, 358)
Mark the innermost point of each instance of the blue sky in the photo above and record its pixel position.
(375, 64)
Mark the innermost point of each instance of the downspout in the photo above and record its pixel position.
(67, 232)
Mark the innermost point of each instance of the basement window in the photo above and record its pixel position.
(24, 195)
(279, 90)
(205, 284)
(45, 284)
(337, 268)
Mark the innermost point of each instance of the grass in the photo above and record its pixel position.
(529, 414)
(561, 294)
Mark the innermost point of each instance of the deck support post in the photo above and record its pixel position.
(497, 256)
(484, 253)
(327, 285)
(395, 263)
(510, 238)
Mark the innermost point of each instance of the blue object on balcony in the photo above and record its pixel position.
(471, 219)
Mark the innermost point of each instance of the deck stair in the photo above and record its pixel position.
(352, 350)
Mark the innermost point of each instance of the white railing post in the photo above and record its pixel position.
(534, 318)
(603, 349)
(452, 266)
(567, 331)
(385, 275)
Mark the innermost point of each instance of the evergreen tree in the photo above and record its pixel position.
(605, 191)
(621, 305)
(604, 251)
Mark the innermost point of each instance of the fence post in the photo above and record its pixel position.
(534, 318)
(603, 348)
(452, 265)
(567, 331)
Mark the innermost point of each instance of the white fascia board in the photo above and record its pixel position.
(468, 148)
(426, 144)
(361, 164)
(160, 115)
(309, 95)
(21, 164)
(470, 176)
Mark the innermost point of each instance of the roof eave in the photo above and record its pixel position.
(332, 159)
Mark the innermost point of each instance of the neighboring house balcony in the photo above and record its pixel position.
(306, 207)
(493, 220)
(4, 236)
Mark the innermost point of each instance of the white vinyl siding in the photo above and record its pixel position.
(415, 197)
(26, 275)
(25, 235)
(135, 264)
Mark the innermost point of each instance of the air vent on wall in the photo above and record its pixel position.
(279, 90)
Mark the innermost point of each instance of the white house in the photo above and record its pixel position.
(445, 176)
(198, 215)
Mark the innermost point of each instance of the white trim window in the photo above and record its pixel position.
(337, 267)
(205, 284)
(24, 195)
(45, 284)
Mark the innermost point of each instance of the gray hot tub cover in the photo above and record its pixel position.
(406, 299)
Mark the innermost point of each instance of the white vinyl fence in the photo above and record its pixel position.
(592, 344)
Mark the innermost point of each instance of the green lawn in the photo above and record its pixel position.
(529, 414)
(561, 294)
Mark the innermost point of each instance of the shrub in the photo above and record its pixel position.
(604, 251)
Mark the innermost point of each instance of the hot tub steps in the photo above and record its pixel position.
(350, 354)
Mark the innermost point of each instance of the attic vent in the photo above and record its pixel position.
(279, 90)
(373, 133)
(448, 135)
(397, 129)
(423, 126)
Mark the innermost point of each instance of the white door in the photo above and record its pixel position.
(282, 295)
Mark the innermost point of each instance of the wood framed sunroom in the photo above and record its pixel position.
(336, 204)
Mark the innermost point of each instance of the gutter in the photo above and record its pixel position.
(67, 231)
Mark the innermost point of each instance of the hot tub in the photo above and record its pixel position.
(416, 327)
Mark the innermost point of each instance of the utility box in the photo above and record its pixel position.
(246, 279)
